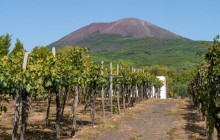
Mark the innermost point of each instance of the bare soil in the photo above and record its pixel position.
(150, 124)
(153, 119)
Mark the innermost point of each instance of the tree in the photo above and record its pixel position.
(18, 47)
(41, 51)
(5, 43)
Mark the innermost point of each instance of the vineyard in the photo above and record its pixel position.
(65, 74)
(64, 85)
(204, 88)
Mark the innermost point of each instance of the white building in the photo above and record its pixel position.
(163, 93)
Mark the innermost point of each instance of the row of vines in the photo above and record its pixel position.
(204, 88)
(67, 73)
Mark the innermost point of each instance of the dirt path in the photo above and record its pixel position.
(170, 119)
(151, 124)
(153, 119)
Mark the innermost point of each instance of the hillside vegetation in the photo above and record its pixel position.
(175, 53)
(136, 42)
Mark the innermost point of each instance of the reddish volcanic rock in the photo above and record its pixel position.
(127, 27)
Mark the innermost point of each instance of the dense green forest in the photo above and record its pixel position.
(174, 53)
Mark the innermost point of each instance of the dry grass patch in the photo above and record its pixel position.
(189, 123)
(37, 126)
(172, 133)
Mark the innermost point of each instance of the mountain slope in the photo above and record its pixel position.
(175, 53)
(135, 41)
(126, 28)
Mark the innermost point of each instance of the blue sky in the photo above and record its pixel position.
(41, 22)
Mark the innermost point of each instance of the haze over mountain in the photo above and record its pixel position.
(126, 28)
(136, 42)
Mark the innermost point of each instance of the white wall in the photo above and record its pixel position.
(163, 93)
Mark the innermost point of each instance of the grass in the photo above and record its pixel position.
(135, 138)
(191, 126)
(100, 122)
(177, 114)
(172, 133)
(132, 138)
(114, 125)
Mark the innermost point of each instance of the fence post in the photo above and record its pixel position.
(102, 94)
(111, 86)
(25, 61)
(54, 51)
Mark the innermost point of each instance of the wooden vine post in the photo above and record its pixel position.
(111, 86)
(75, 104)
(136, 88)
(118, 101)
(102, 94)
(123, 92)
(25, 61)
(57, 124)
(17, 108)
(48, 106)
(54, 51)
(132, 69)
(142, 89)
(50, 94)
(25, 105)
